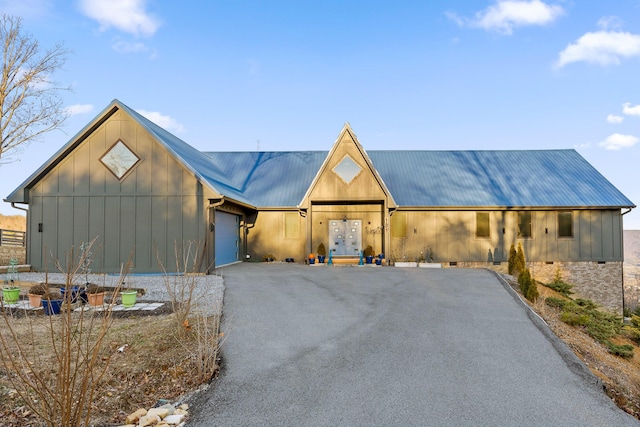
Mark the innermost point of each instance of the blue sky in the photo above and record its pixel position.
(286, 75)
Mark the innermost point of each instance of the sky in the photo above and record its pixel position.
(287, 75)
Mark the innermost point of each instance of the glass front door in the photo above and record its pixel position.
(345, 237)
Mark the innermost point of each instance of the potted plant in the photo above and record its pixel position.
(322, 253)
(95, 295)
(368, 254)
(35, 294)
(51, 302)
(10, 293)
(312, 259)
(128, 296)
(268, 258)
(379, 259)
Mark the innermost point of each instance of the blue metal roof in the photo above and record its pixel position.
(526, 178)
(439, 179)
(270, 179)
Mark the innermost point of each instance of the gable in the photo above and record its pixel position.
(347, 174)
(86, 167)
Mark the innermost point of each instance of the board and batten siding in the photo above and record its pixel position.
(156, 204)
(451, 236)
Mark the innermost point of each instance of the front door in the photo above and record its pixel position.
(345, 237)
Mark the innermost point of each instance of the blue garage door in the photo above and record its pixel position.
(227, 238)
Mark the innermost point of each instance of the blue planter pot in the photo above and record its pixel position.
(321, 258)
(378, 261)
(77, 294)
(369, 259)
(51, 306)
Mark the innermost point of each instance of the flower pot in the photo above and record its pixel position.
(77, 294)
(51, 306)
(378, 261)
(10, 295)
(321, 258)
(35, 300)
(96, 300)
(128, 298)
(369, 259)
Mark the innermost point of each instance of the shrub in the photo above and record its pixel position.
(368, 251)
(557, 302)
(39, 289)
(559, 285)
(528, 285)
(322, 251)
(512, 259)
(622, 350)
(575, 319)
(519, 263)
(632, 331)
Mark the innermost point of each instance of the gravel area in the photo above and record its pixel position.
(208, 293)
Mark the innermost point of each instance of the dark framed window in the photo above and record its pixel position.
(565, 224)
(482, 225)
(524, 224)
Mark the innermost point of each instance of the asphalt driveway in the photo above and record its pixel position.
(324, 346)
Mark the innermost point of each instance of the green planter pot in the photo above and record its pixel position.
(10, 295)
(128, 298)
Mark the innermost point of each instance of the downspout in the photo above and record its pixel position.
(622, 269)
(13, 205)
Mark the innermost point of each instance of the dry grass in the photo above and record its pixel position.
(155, 365)
(621, 377)
(13, 222)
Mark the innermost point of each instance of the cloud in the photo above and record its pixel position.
(601, 47)
(618, 141)
(609, 22)
(611, 118)
(166, 122)
(76, 109)
(125, 15)
(629, 110)
(128, 47)
(505, 15)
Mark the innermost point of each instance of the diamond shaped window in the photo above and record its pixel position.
(119, 159)
(347, 169)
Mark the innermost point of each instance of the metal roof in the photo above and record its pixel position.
(524, 178)
(439, 179)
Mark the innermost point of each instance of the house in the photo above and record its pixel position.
(139, 190)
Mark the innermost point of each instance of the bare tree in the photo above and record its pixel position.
(30, 102)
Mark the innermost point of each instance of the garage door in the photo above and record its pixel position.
(227, 238)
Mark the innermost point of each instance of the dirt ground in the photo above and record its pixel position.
(620, 377)
(157, 363)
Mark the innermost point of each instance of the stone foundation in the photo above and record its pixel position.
(8, 252)
(601, 283)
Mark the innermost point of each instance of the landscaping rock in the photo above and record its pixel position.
(166, 415)
(149, 420)
(135, 417)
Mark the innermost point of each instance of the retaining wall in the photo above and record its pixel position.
(8, 252)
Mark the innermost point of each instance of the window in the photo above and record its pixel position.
(399, 224)
(524, 224)
(482, 224)
(565, 224)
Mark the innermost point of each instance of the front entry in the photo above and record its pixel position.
(345, 237)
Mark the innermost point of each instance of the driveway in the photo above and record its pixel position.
(327, 346)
